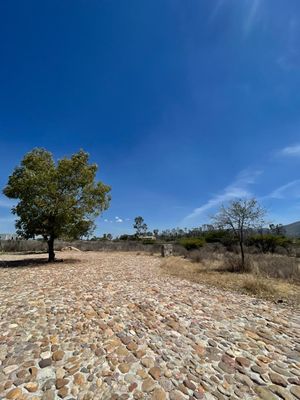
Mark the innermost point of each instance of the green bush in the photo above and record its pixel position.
(216, 236)
(128, 237)
(221, 236)
(192, 243)
(268, 243)
(148, 241)
(124, 237)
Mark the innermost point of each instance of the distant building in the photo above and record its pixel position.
(149, 237)
(8, 236)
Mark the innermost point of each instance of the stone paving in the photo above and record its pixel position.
(112, 326)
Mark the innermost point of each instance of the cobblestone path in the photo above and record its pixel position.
(111, 326)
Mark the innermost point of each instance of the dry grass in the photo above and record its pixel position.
(214, 272)
(258, 286)
(277, 266)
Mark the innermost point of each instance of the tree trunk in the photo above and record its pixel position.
(242, 256)
(51, 254)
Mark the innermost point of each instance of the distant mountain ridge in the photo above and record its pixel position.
(293, 229)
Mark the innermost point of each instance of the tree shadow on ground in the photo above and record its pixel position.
(26, 262)
(34, 262)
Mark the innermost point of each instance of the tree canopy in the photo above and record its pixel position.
(56, 199)
(140, 226)
(239, 217)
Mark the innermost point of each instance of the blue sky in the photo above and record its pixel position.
(183, 104)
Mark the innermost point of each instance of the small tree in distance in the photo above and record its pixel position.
(56, 200)
(277, 230)
(140, 226)
(239, 217)
(155, 232)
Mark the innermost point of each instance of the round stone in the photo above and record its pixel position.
(264, 393)
(60, 373)
(132, 386)
(176, 395)
(45, 355)
(45, 362)
(31, 386)
(63, 392)
(148, 385)
(61, 382)
(147, 362)
(242, 361)
(79, 379)
(142, 373)
(124, 368)
(295, 390)
(155, 372)
(277, 379)
(58, 355)
(14, 394)
(159, 394)
(168, 373)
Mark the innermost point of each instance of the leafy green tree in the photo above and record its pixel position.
(56, 200)
(278, 229)
(155, 232)
(140, 226)
(268, 243)
(239, 217)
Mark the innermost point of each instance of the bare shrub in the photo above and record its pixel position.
(296, 251)
(283, 251)
(277, 266)
(196, 256)
(253, 250)
(211, 271)
(274, 266)
(233, 263)
(179, 250)
(216, 248)
(206, 254)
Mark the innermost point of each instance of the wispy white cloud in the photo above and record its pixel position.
(290, 58)
(229, 193)
(253, 14)
(117, 220)
(238, 189)
(291, 151)
(290, 190)
(216, 10)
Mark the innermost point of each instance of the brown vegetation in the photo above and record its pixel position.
(270, 277)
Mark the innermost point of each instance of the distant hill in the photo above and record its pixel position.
(293, 229)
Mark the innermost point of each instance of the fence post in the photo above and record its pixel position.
(166, 250)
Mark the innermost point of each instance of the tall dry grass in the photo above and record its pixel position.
(268, 276)
(25, 246)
